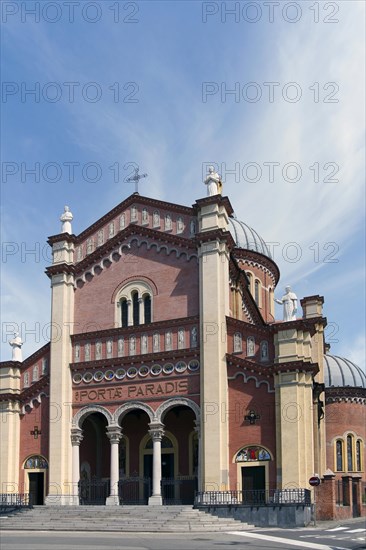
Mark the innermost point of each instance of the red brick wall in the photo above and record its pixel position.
(175, 278)
(38, 416)
(341, 418)
(244, 396)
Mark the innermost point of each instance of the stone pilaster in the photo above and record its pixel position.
(60, 450)
(214, 255)
(313, 309)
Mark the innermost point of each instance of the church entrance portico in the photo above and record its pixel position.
(136, 455)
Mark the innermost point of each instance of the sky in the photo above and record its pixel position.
(270, 93)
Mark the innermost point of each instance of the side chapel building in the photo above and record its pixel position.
(166, 366)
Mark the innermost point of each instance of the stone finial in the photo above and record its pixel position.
(16, 345)
(66, 219)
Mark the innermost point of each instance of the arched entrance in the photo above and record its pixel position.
(180, 478)
(35, 468)
(95, 456)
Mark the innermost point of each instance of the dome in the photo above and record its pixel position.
(245, 237)
(340, 372)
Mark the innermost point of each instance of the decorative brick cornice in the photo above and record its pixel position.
(243, 326)
(35, 388)
(302, 324)
(260, 259)
(311, 299)
(57, 269)
(216, 235)
(296, 366)
(27, 393)
(215, 199)
(135, 198)
(347, 394)
(134, 330)
(61, 237)
(131, 360)
(10, 397)
(11, 364)
(251, 365)
(271, 368)
(41, 352)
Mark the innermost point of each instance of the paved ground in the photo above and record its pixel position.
(327, 536)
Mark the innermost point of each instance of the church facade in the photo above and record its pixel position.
(167, 372)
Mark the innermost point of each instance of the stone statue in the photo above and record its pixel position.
(237, 342)
(213, 182)
(193, 337)
(16, 344)
(168, 341)
(250, 346)
(289, 302)
(156, 219)
(66, 219)
(180, 225)
(144, 343)
(168, 222)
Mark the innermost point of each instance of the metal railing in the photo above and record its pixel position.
(13, 501)
(265, 497)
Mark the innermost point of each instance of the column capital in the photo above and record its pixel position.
(114, 434)
(76, 436)
(156, 431)
(140, 300)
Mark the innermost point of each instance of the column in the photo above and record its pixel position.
(156, 431)
(197, 429)
(114, 434)
(76, 439)
(141, 311)
(129, 313)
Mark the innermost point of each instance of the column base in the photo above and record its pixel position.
(112, 500)
(155, 500)
(62, 500)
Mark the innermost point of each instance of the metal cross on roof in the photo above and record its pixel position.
(136, 178)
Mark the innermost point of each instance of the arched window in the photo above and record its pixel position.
(358, 456)
(271, 301)
(26, 380)
(147, 308)
(257, 288)
(339, 455)
(134, 303)
(349, 453)
(124, 313)
(250, 279)
(135, 308)
(35, 374)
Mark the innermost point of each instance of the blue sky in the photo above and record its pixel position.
(173, 65)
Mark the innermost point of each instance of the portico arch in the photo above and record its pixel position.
(81, 415)
(131, 406)
(174, 402)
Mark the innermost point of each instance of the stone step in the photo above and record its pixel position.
(119, 519)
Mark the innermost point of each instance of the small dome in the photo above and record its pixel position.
(340, 372)
(245, 237)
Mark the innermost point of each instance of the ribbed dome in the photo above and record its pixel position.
(245, 237)
(340, 372)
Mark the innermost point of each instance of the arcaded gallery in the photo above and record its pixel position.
(167, 378)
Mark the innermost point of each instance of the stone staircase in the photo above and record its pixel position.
(118, 518)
